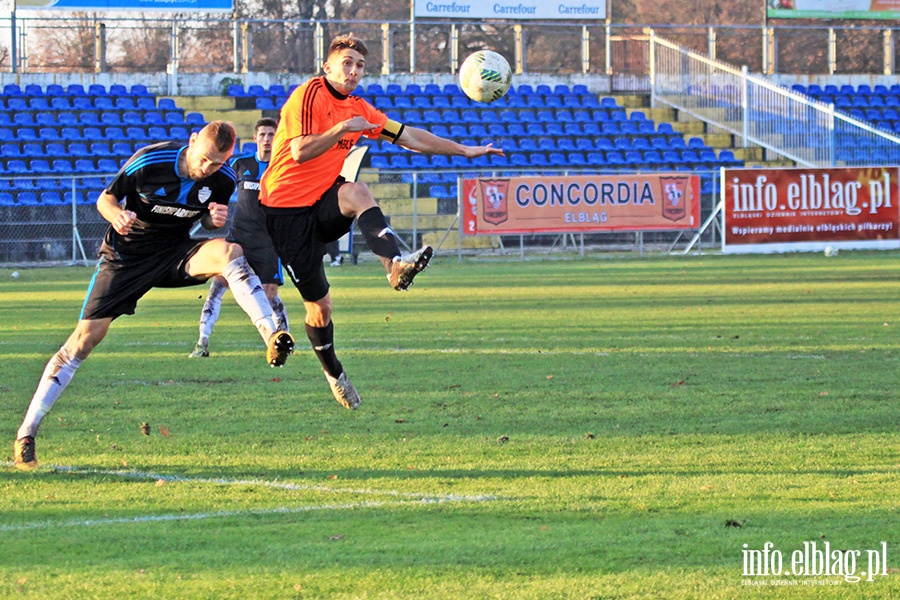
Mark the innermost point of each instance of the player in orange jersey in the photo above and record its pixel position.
(309, 204)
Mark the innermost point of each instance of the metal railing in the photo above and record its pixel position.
(99, 43)
(762, 113)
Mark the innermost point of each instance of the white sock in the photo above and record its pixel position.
(211, 307)
(280, 313)
(56, 377)
(249, 294)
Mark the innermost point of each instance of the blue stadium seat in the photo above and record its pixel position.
(23, 119)
(135, 133)
(54, 149)
(124, 103)
(27, 199)
(26, 134)
(145, 103)
(377, 161)
(88, 133)
(16, 166)
(54, 89)
(51, 198)
(96, 89)
(104, 103)
(32, 149)
(113, 133)
(236, 90)
(75, 89)
(48, 134)
(107, 165)
(9, 149)
(264, 103)
(41, 103)
(121, 149)
(157, 133)
(195, 118)
(110, 118)
(117, 89)
(168, 104)
(153, 118)
(62, 165)
(277, 90)
(60, 103)
(179, 133)
(131, 118)
(173, 118)
(100, 149)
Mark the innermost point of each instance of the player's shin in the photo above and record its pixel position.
(379, 236)
(322, 340)
(56, 377)
(281, 317)
(211, 307)
(248, 293)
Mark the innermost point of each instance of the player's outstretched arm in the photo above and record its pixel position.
(420, 140)
(308, 147)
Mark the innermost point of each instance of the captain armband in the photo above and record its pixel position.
(391, 131)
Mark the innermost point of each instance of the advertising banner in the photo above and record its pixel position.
(127, 5)
(782, 210)
(833, 9)
(510, 9)
(658, 202)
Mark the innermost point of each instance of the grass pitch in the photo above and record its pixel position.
(600, 428)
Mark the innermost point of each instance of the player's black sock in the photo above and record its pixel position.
(379, 236)
(322, 340)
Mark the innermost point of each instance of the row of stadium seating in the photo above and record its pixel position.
(48, 197)
(566, 144)
(92, 119)
(412, 89)
(847, 90)
(67, 149)
(75, 89)
(635, 159)
(51, 134)
(82, 165)
(100, 103)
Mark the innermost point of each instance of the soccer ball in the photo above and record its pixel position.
(485, 76)
(831, 251)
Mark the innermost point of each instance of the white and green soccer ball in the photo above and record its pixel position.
(485, 76)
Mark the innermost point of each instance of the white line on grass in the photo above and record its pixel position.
(132, 474)
(198, 516)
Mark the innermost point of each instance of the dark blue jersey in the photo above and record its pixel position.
(249, 218)
(166, 204)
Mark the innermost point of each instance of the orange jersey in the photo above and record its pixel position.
(313, 108)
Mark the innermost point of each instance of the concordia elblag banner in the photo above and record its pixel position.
(513, 205)
(783, 210)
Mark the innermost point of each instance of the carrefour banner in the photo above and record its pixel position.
(782, 210)
(510, 9)
(833, 9)
(587, 203)
(127, 5)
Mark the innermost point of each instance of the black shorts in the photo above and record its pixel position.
(249, 231)
(300, 235)
(122, 279)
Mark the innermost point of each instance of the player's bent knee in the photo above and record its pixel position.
(356, 196)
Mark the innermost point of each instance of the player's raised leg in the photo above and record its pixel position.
(355, 199)
(218, 257)
(209, 315)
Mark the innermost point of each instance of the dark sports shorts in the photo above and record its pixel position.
(122, 279)
(249, 231)
(300, 235)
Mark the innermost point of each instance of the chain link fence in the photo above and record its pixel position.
(44, 225)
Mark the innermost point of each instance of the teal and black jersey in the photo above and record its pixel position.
(166, 204)
(248, 170)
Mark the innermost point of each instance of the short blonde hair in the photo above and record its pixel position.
(222, 134)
